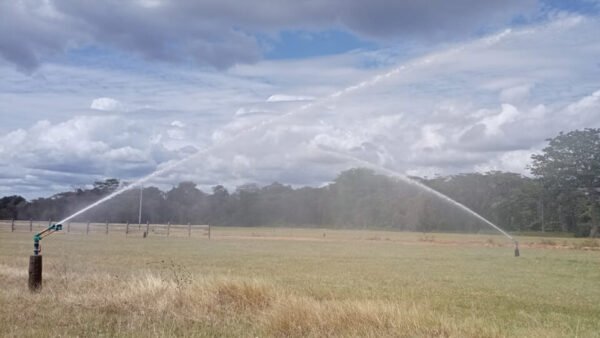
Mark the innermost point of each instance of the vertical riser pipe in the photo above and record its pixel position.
(35, 273)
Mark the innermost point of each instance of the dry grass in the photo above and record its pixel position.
(547, 241)
(587, 244)
(147, 304)
(96, 286)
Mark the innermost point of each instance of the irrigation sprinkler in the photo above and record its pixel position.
(517, 254)
(35, 261)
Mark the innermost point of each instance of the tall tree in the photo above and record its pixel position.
(9, 206)
(571, 163)
(185, 203)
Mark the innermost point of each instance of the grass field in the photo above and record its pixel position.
(302, 282)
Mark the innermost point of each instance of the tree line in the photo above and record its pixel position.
(563, 194)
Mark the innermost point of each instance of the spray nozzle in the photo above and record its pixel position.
(40, 235)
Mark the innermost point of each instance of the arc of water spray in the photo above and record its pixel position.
(334, 96)
(261, 124)
(418, 184)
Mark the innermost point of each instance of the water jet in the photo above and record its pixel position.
(422, 186)
(261, 125)
(323, 101)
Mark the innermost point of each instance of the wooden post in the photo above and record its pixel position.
(127, 229)
(87, 228)
(189, 230)
(147, 228)
(35, 273)
(106, 228)
(12, 225)
(168, 228)
(209, 232)
(30, 225)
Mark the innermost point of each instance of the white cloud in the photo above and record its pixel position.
(515, 94)
(178, 124)
(494, 123)
(176, 134)
(284, 98)
(106, 104)
(477, 106)
(513, 161)
(81, 149)
(430, 139)
(587, 103)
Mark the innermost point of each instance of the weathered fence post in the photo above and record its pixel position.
(189, 230)
(209, 232)
(30, 225)
(147, 228)
(87, 228)
(106, 233)
(168, 228)
(12, 225)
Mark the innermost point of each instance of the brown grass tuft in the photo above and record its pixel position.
(305, 317)
(547, 241)
(242, 296)
(587, 244)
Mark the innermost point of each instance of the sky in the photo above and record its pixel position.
(286, 91)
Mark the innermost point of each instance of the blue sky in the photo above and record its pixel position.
(302, 44)
(123, 88)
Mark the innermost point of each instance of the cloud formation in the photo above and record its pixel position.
(222, 33)
(482, 105)
(486, 105)
(106, 104)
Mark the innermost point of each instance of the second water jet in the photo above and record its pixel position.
(421, 186)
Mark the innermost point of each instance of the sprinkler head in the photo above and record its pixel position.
(517, 253)
(36, 244)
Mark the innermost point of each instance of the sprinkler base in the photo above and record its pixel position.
(35, 273)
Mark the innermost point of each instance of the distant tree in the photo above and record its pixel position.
(154, 210)
(10, 205)
(107, 186)
(247, 208)
(123, 208)
(185, 203)
(357, 198)
(506, 199)
(219, 206)
(571, 164)
(362, 198)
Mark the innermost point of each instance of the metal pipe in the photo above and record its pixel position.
(42, 234)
